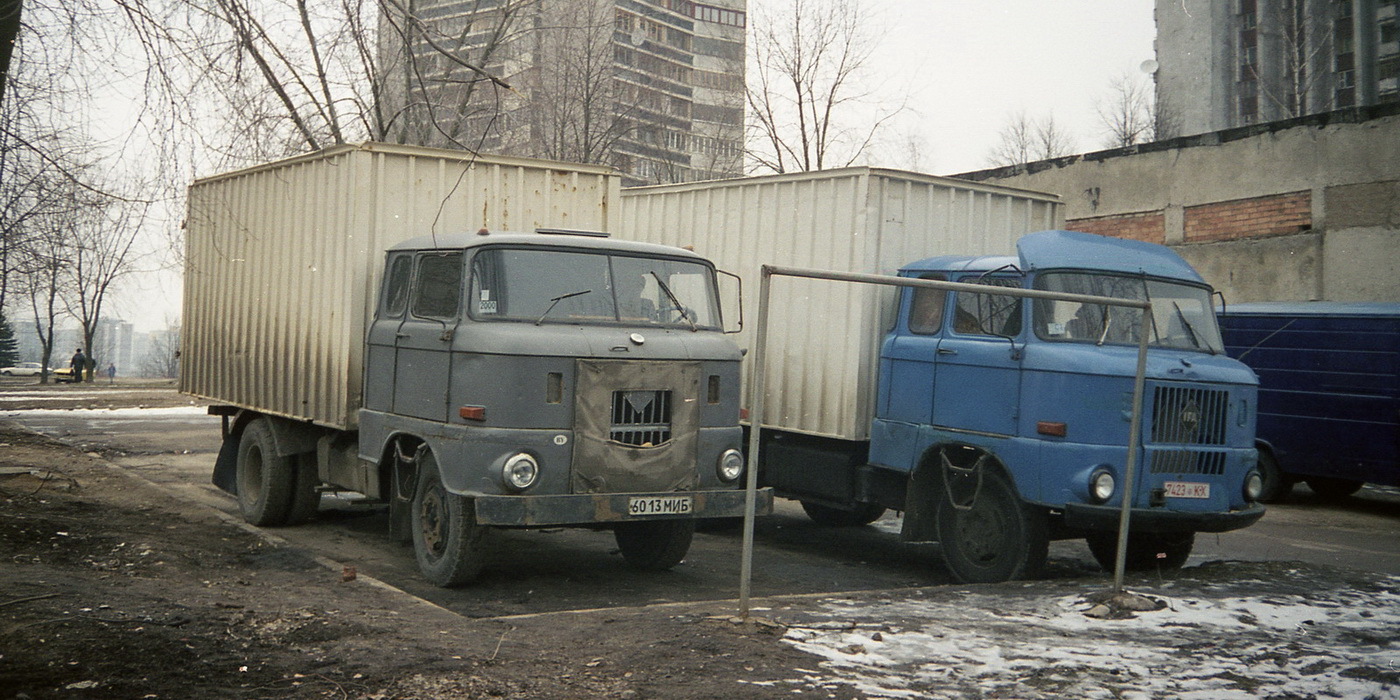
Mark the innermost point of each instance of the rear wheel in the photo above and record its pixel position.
(655, 545)
(1332, 487)
(986, 532)
(264, 479)
(1147, 551)
(447, 542)
(862, 514)
(306, 496)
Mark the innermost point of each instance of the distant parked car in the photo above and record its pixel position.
(23, 369)
(64, 375)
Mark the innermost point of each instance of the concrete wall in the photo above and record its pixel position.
(1298, 210)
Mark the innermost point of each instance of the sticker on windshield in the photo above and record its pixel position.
(486, 305)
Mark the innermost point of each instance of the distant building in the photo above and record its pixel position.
(1229, 63)
(654, 88)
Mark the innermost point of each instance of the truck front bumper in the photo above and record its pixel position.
(531, 511)
(1082, 516)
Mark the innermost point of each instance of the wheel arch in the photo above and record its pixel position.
(926, 484)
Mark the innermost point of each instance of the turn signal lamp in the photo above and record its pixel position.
(1052, 428)
(477, 413)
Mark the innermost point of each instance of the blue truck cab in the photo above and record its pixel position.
(1002, 422)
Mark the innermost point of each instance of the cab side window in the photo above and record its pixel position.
(926, 308)
(395, 298)
(988, 314)
(438, 291)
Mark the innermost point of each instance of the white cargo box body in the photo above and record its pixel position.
(824, 337)
(282, 261)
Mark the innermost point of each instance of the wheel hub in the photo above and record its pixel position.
(431, 520)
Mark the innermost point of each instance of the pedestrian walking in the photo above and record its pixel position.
(78, 364)
(111, 372)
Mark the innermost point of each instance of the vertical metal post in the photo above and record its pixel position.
(757, 389)
(1134, 441)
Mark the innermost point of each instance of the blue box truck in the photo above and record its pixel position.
(1329, 391)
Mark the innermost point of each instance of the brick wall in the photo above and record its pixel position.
(1249, 218)
(1147, 226)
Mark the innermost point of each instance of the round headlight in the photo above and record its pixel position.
(1253, 486)
(1101, 486)
(731, 465)
(520, 472)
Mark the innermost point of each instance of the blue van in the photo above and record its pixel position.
(1329, 391)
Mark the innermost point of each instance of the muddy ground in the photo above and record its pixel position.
(112, 588)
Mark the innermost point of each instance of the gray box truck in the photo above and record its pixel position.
(364, 321)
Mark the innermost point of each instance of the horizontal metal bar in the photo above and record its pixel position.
(891, 280)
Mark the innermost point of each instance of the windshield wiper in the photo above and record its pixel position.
(675, 302)
(555, 302)
(1189, 329)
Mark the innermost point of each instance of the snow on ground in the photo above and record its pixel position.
(1328, 643)
(107, 413)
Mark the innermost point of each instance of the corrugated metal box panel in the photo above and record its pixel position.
(283, 260)
(825, 336)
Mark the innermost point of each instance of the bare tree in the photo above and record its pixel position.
(580, 109)
(102, 235)
(1128, 112)
(162, 357)
(1301, 48)
(807, 90)
(1023, 140)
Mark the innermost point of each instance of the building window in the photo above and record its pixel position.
(717, 15)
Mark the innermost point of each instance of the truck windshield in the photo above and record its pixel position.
(554, 286)
(1182, 315)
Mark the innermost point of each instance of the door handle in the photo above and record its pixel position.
(946, 351)
(403, 335)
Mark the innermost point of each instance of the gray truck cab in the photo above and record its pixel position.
(545, 379)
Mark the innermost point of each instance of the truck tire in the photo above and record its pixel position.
(656, 545)
(862, 514)
(306, 497)
(1332, 488)
(447, 542)
(1277, 485)
(264, 479)
(996, 537)
(1147, 551)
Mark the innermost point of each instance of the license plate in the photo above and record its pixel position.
(1186, 489)
(660, 505)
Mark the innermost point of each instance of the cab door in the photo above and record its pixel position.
(423, 342)
(907, 363)
(381, 342)
(979, 362)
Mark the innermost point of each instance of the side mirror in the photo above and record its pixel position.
(731, 298)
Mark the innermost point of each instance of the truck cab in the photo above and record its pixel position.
(1003, 422)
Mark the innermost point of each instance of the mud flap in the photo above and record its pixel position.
(226, 465)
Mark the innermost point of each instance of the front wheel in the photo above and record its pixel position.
(447, 542)
(1277, 485)
(1147, 551)
(862, 514)
(656, 545)
(986, 533)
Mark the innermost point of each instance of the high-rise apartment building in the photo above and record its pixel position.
(1228, 63)
(654, 88)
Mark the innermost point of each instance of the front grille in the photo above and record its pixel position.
(1189, 416)
(1187, 462)
(641, 418)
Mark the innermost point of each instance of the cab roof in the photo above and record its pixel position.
(1070, 250)
(583, 241)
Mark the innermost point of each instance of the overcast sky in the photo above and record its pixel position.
(969, 65)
